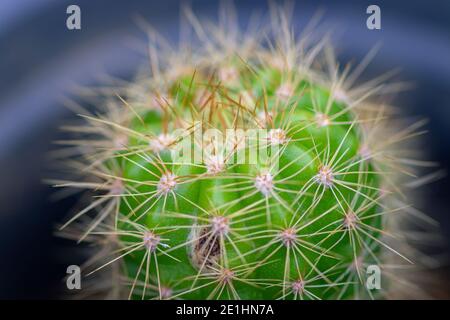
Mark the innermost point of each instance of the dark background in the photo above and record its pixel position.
(40, 61)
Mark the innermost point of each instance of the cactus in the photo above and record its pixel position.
(244, 170)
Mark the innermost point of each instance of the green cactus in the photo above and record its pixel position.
(241, 172)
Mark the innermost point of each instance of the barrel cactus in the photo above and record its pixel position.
(241, 169)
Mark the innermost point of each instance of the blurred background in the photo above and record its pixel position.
(41, 60)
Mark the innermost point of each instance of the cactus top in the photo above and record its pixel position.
(243, 171)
